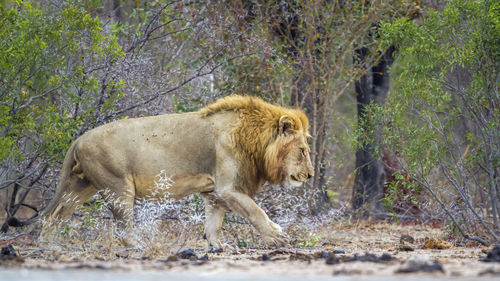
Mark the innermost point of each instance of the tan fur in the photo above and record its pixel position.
(225, 152)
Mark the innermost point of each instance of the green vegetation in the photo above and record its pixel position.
(45, 70)
(442, 116)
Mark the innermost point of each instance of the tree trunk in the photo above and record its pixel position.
(369, 181)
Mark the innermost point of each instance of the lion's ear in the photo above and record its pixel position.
(285, 125)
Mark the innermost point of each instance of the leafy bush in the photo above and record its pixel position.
(442, 116)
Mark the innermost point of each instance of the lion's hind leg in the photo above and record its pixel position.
(119, 193)
(74, 192)
(71, 193)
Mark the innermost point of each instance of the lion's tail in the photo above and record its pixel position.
(71, 164)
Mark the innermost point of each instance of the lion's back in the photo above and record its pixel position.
(143, 147)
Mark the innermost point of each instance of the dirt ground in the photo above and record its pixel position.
(364, 249)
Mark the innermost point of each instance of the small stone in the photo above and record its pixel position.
(338, 251)
(215, 250)
(386, 257)
(406, 238)
(266, 257)
(420, 263)
(332, 259)
(204, 258)
(297, 256)
(187, 254)
(123, 255)
(492, 256)
(172, 258)
(406, 243)
(365, 258)
(406, 247)
(8, 252)
(421, 267)
(325, 255)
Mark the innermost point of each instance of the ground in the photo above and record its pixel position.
(366, 249)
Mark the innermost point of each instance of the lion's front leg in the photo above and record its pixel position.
(226, 175)
(246, 207)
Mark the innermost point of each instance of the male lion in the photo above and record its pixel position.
(226, 152)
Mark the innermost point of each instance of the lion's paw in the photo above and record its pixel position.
(279, 239)
(223, 247)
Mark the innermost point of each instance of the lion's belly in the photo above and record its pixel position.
(170, 156)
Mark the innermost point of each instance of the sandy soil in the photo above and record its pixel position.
(331, 256)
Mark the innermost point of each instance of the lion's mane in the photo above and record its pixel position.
(256, 137)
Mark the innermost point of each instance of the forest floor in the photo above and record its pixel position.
(365, 249)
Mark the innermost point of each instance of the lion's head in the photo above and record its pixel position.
(287, 157)
(272, 138)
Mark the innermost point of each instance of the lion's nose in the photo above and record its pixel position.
(309, 176)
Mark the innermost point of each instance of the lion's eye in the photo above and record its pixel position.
(303, 152)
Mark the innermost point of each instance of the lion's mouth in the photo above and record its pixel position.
(294, 181)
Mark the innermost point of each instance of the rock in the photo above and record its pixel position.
(325, 255)
(216, 250)
(410, 268)
(420, 264)
(8, 252)
(9, 256)
(172, 258)
(121, 255)
(332, 259)
(407, 238)
(187, 254)
(204, 258)
(266, 257)
(386, 257)
(436, 243)
(406, 243)
(369, 258)
(322, 254)
(406, 247)
(492, 256)
(297, 256)
(338, 251)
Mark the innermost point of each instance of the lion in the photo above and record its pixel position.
(225, 152)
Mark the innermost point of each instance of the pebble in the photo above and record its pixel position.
(493, 255)
(187, 254)
(338, 251)
(266, 257)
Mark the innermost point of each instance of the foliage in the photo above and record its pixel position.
(37, 79)
(300, 53)
(442, 116)
(311, 242)
(52, 88)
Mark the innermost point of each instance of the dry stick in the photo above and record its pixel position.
(467, 200)
(11, 240)
(466, 236)
(461, 189)
(482, 123)
(443, 206)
